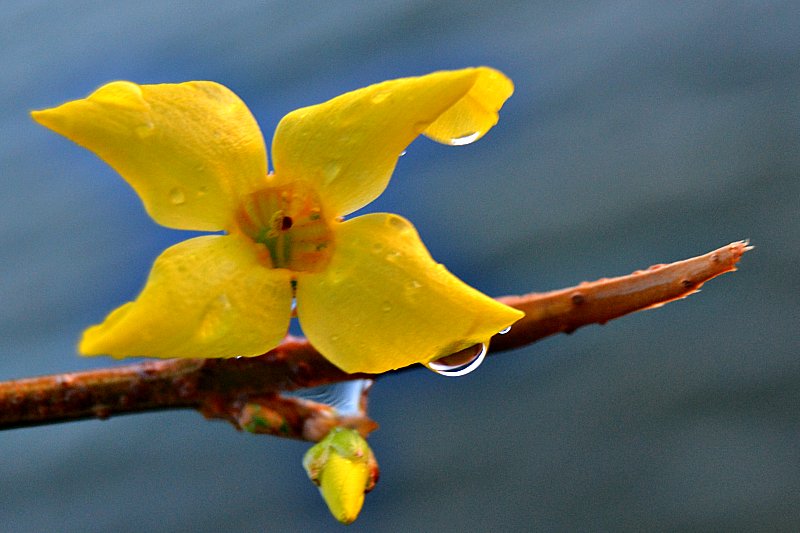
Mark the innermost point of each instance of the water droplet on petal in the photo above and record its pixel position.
(332, 171)
(397, 222)
(379, 97)
(177, 196)
(294, 306)
(411, 291)
(144, 130)
(465, 139)
(402, 153)
(215, 322)
(504, 330)
(460, 363)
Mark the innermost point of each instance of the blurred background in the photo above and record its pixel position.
(639, 133)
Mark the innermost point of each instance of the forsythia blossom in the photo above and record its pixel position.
(369, 296)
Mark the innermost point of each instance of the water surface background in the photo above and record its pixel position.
(640, 132)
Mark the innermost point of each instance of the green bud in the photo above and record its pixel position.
(343, 466)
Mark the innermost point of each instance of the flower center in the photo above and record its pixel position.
(289, 222)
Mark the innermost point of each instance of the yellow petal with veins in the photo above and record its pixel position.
(348, 147)
(190, 150)
(383, 302)
(205, 297)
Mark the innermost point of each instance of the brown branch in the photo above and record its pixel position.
(246, 391)
(597, 302)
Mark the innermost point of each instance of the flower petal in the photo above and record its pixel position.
(348, 147)
(189, 149)
(205, 297)
(476, 113)
(384, 303)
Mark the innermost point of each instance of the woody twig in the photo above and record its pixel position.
(248, 391)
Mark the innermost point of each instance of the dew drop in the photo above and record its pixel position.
(411, 290)
(504, 331)
(144, 130)
(460, 363)
(215, 322)
(379, 97)
(332, 171)
(177, 196)
(465, 139)
(397, 222)
(294, 306)
(402, 153)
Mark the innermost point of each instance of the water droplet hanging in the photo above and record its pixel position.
(460, 363)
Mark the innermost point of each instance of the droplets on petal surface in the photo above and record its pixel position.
(188, 149)
(205, 297)
(432, 313)
(348, 146)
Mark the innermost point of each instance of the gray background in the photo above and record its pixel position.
(640, 132)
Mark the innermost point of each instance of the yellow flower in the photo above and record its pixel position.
(369, 296)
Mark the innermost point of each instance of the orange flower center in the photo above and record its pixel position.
(288, 221)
